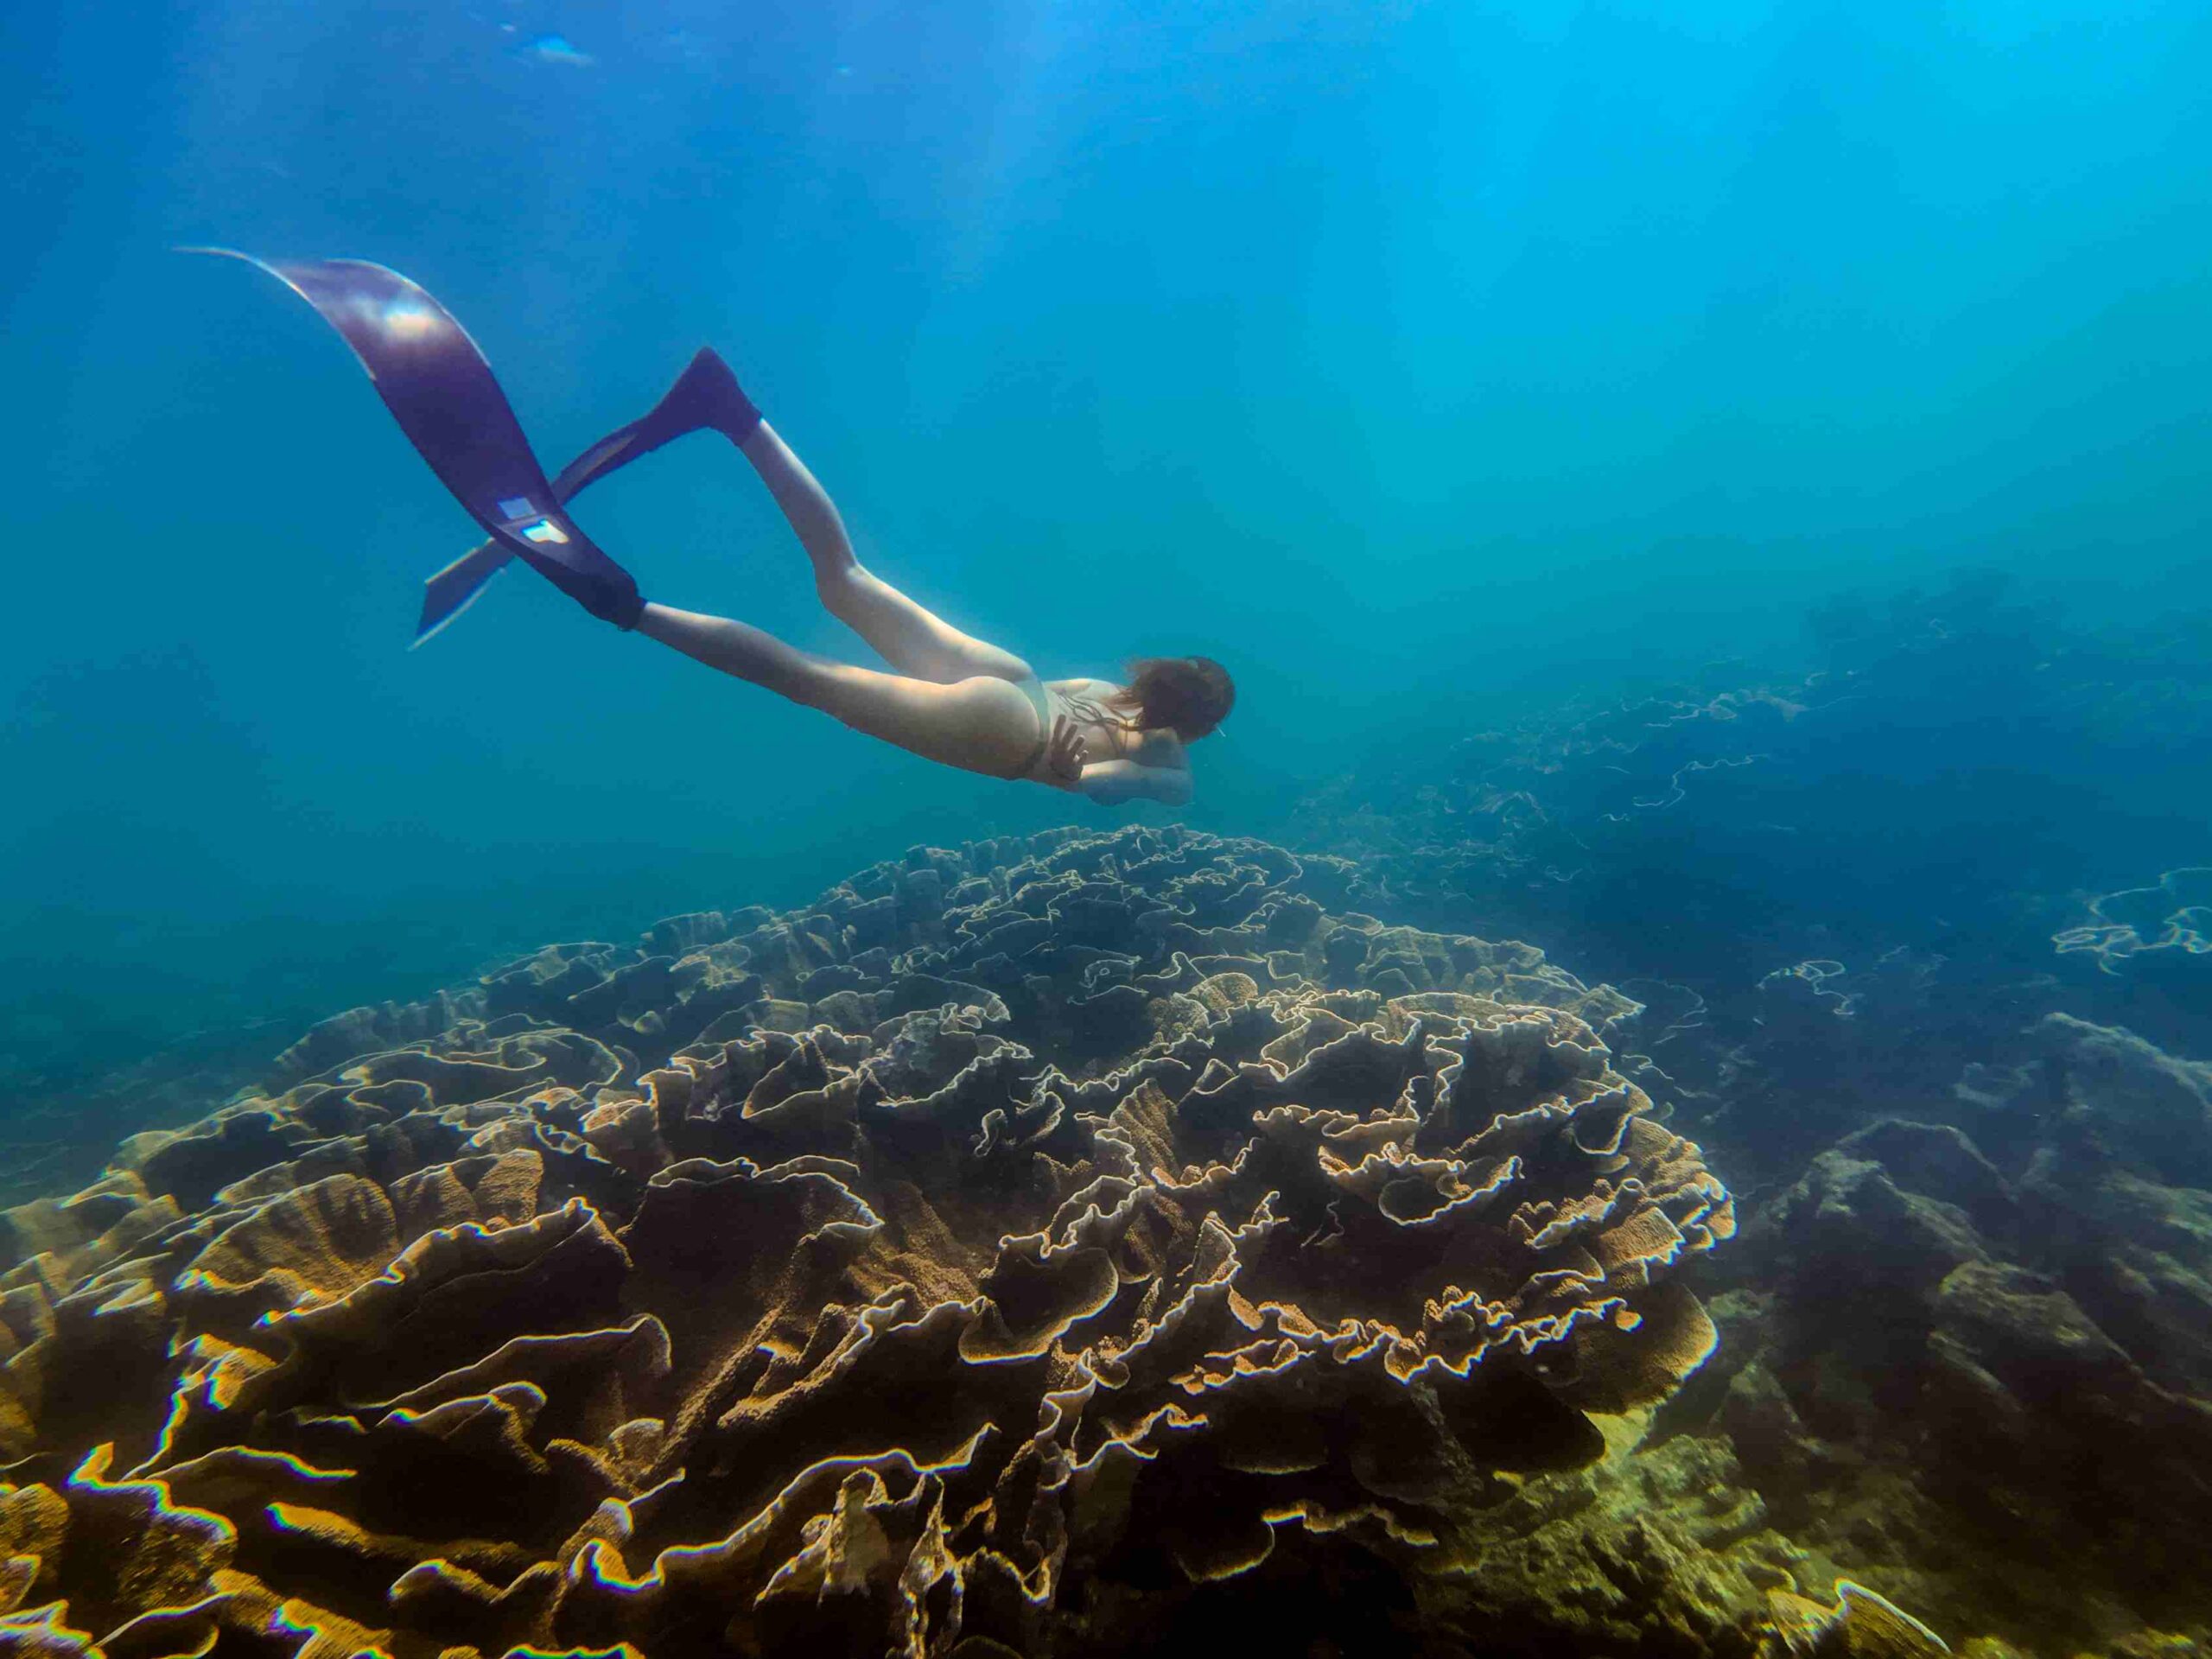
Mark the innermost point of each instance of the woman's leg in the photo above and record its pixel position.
(913, 640)
(981, 723)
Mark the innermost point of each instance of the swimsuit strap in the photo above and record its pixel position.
(1093, 712)
(1085, 710)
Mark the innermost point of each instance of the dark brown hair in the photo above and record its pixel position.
(1189, 695)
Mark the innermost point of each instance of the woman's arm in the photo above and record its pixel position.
(1111, 783)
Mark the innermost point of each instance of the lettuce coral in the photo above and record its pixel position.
(1017, 1238)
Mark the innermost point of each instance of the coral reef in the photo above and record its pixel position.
(1991, 1375)
(2152, 944)
(1955, 776)
(1885, 937)
(2174, 913)
(1152, 1242)
(1087, 1244)
(1812, 1051)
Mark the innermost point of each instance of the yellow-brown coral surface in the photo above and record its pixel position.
(992, 1257)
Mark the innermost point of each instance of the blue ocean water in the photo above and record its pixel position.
(1431, 365)
(1696, 1136)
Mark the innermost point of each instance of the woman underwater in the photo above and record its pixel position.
(952, 699)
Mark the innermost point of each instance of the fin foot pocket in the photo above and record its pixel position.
(706, 397)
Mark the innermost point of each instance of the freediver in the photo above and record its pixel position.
(952, 698)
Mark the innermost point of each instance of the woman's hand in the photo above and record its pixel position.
(1064, 754)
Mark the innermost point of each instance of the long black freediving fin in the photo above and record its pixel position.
(441, 391)
(705, 396)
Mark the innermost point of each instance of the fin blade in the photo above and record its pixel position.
(454, 589)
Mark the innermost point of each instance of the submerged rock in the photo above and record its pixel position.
(1993, 1380)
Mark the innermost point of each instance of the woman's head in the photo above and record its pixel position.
(1189, 695)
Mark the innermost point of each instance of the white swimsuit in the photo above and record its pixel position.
(1085, 711)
